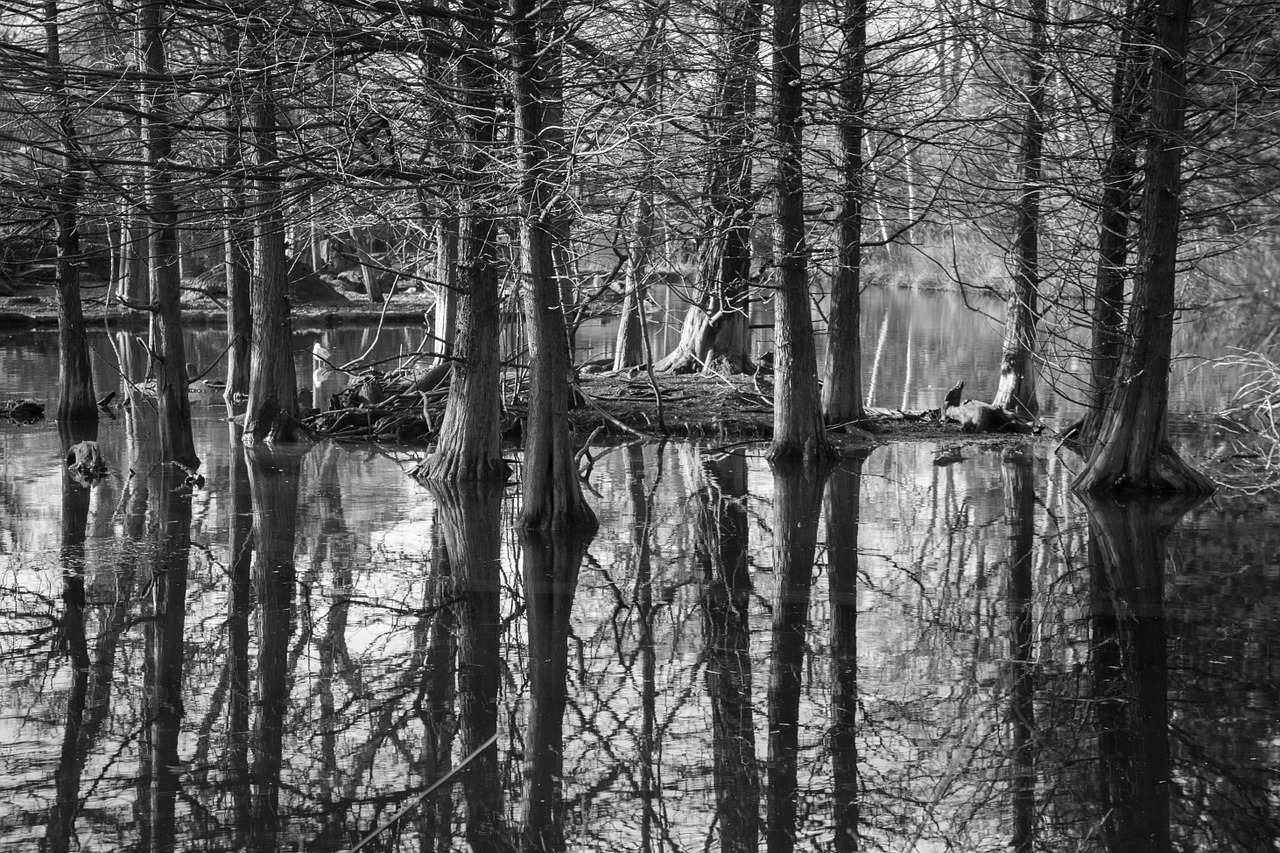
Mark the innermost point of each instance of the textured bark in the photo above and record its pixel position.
(1127, 556)
(721, 552)
(716, 334)
(176, 441)
(470, 438)
(798, 431)
(273, 385)
(842, 371)
(238, 241)
(1016, 390)
(551, 564)
(470, 517)
(797, 491)
(76, 399)
(552, 494)
(1119, 192)
(1133, 452)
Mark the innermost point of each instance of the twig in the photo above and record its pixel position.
(445, 778)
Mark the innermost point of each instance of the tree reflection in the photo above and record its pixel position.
(239, 612)
(551, 563)
(721, 552)
(1130, 666)
(72, 640)
(274, 475)
(843, 492)
(470, 517)
(1020, 508)
(797, 494)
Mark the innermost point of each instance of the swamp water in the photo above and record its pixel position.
(909, 656)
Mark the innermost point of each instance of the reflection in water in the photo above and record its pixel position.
(327, 638)
(721, 551)
(843, 491)
(274, 478)
(1020, 502)
(1130, 667)
(470, 515)
(551, 564)
(797, 496)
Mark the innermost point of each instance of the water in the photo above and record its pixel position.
(911, 656)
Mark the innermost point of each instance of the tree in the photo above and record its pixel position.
(469, 446)
(237, 231)
(798, 431)
(1133, 452)
(273, 399)
(842, 371)
(552, 494)
(716, 330)
(1017, 388)
(75, 377)
(169, 352)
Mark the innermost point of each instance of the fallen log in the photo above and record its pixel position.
(977, 416)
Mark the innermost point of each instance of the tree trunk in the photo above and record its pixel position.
(552, 494)
(1119, 190)
(842, 372)
(176, 441)
(238, 236)
(797, 491)
(448, 236)
(716, 335)
(1133, 452)
(273, 393)
(470, 437)
(797, 412)
(721, 552)
(629, 346)
(1016, 391)
(76, 399)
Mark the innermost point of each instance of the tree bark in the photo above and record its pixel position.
(1119, 191)
(273, 385)
(1016, 391)
(1133, 452)
(238, 239)
(470, 435)
(552, 494)
(842, 371)
(176, 440)
(76, 399)
(798, 431)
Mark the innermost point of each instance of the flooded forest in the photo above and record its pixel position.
(634, 425)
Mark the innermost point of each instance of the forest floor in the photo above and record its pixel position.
(614, 407)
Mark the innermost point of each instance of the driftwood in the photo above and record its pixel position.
(23, 411)
(85, 463)
(976, 416)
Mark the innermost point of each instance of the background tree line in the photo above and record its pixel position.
(580, 153)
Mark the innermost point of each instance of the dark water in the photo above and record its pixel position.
(907, 656)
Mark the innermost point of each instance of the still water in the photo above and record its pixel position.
(905, 656)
